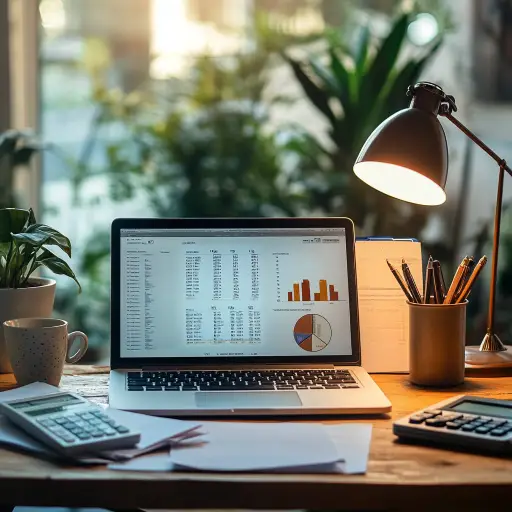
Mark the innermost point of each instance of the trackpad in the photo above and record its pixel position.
(246, 399)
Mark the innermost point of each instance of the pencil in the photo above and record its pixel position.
(459, 274)
(400, 281)
(464, 279)
(410, 282)
(467, 287)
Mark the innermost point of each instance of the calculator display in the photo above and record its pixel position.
(483, 409)
(49, 405)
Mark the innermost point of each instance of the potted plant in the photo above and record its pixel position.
(23, 249)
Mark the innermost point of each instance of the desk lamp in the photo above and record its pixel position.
(407, 157)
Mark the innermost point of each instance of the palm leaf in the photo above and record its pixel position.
(382, 65)
(316, 95)
(361, 51)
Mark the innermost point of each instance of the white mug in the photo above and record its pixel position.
(38, 348)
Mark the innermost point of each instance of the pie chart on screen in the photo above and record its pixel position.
(312, 333)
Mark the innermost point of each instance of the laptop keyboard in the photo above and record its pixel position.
(222, 380)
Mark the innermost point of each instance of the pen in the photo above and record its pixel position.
(410, 282)
(429, 282)
(459, 274)
(439, 286)
(400, 281)
(467, 287)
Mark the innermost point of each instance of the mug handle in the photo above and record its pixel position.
(82, 349)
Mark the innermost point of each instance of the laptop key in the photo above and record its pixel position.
(172, 388)
(153, 388)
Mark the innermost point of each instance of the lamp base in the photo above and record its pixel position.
(491, 354)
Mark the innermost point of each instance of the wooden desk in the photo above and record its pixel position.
(399, 477)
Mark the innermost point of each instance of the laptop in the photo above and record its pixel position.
(237, 317)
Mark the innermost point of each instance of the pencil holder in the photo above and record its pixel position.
(437, 337)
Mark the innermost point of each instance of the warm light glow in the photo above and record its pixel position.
(400, 182)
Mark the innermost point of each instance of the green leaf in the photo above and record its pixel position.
(395, 98)
(56, 265)
(343, 79)
(54, 236)
(317, 96)
(384, 61)
(328, 80)
(37, 238)
(31, 217)
(361, 51)
(12, 220)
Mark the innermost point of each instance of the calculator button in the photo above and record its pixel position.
(436, 422)
(109, 432)
(60, 420)
(498, 423)
(94, 421)
(498, 432)
(47, 423)
(468, 428)
(482, 430)
(452, 417)
(417, 418)
(122, 430)
(470, 417)
(83, 436)
(76, 430)
(81, 423)
(87, 416)
(68, 425)
(434, 412)
(453, 425)
(97, 433)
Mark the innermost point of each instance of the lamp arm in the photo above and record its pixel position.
(500, 161)
(491, 340)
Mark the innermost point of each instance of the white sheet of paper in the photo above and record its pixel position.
(154, 431)
(257, 447)
(352, 442)
(383, 313)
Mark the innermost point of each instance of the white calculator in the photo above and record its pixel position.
(468, 422)
(69, 424)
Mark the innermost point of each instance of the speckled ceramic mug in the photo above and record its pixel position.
(39, 347)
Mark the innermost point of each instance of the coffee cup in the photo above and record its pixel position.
(39, 347)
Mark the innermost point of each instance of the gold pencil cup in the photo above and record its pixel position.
(437, 337)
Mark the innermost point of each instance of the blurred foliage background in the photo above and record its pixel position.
(218, 140)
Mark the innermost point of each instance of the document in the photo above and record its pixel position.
(350, 445)
(383, 310)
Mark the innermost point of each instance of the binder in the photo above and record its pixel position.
(383, 311)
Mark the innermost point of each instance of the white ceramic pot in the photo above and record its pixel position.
(33, 301)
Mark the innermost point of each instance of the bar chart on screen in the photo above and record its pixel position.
(302, 292)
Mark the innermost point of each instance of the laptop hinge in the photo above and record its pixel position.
(233, 366)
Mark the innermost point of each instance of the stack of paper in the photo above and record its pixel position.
(269, 447)
(155, 432)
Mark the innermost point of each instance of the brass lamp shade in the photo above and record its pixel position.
(407, 157)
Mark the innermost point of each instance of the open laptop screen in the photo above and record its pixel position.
(234, 293)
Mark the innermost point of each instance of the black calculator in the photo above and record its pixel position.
(469, 422)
